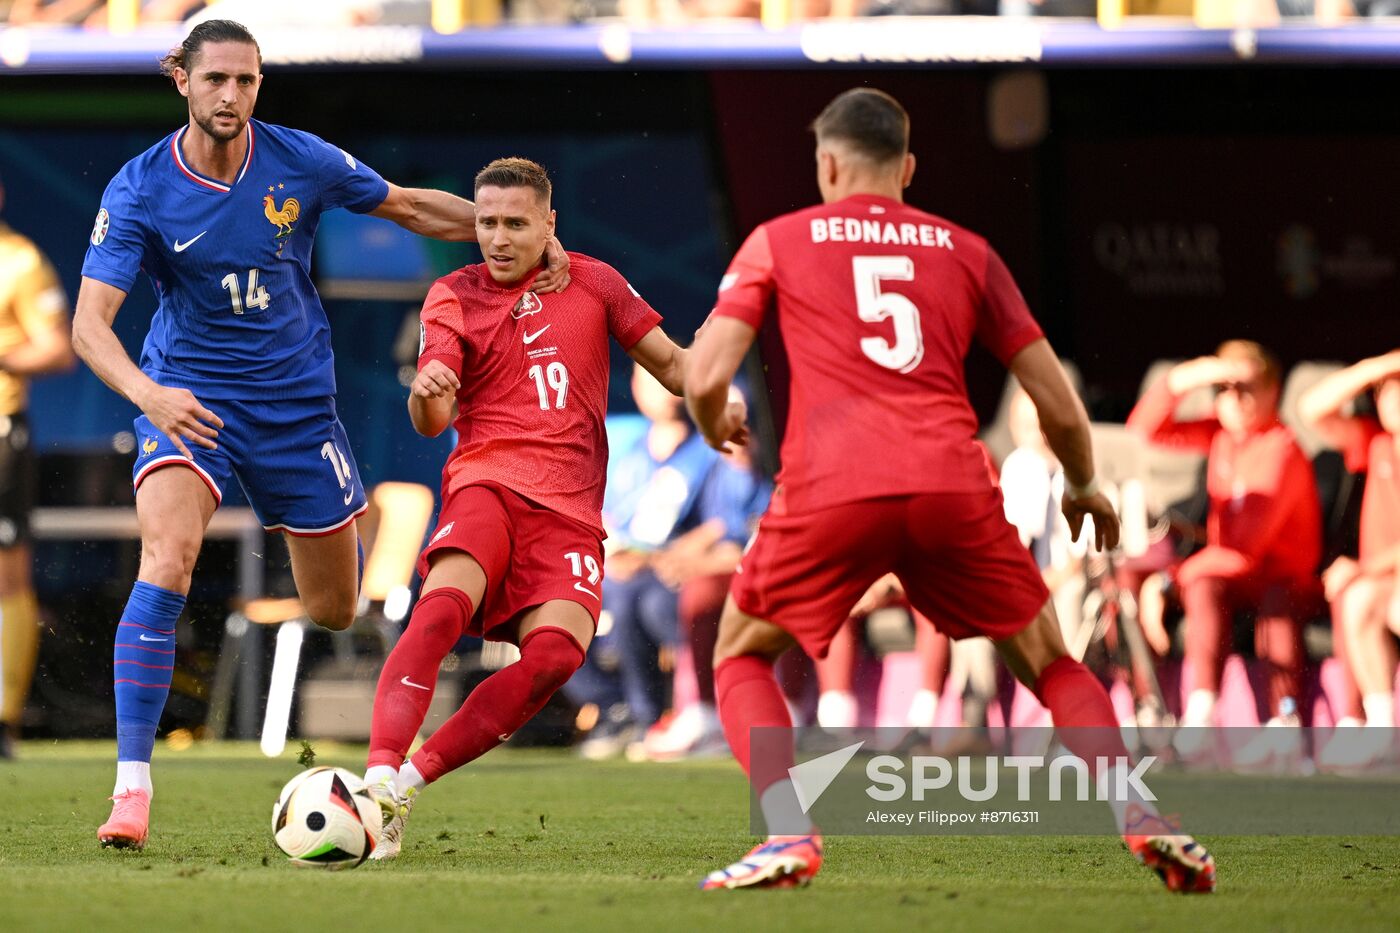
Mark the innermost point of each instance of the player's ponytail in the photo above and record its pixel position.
(211, 30)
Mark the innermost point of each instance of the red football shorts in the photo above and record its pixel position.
(960, 560)
(531, 555)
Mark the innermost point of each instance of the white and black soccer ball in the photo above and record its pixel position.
(324, 818)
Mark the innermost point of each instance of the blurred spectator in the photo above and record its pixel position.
(26, 12)
(836, 705)
(1363, 591)
(1373, 9)
(1032, 485)
(836, 701)
(700, 564)
(34, 339)
(650, 500)
(1263, 534)
(93, 13)
(274, 13)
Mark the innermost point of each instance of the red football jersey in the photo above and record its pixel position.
(1264, 513)
(1372, 451)
(534, 371)
(1380, 503)
(877, 304)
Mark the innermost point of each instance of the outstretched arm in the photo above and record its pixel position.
(1154, 416)
(1321, 406)
(429, 213)
(175, 412)
(710, 367)
(1065, 424)
(443, 216)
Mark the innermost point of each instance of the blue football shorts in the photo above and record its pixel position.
(291, 457)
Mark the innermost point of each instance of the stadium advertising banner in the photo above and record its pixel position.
(1196, 240)
(885, 40)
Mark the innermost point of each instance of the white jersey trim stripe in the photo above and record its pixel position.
(200, 179)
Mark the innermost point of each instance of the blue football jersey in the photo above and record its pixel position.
(238, 317)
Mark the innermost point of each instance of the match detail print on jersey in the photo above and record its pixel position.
(534, 374)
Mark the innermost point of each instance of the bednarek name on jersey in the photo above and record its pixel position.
(864, 230)
(237, 316)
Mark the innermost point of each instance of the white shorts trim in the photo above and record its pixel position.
(172, 459)
(319, 532)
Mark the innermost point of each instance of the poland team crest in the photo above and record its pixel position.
(529, 303)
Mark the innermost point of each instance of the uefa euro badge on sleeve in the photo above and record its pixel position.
(99, 227)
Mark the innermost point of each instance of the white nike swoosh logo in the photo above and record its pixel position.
(349, 494)
(530, 338)
(408, 683)
(181, 247)
(583, 589)
(148, 638)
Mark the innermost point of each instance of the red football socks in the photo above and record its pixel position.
(409, 676)
(749, 698)
(1081, 710)
(502, 703)
(1207, 631)
(1278, 642)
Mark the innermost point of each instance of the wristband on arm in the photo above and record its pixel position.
(1087, 491)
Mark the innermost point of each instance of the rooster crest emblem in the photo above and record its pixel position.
(148, 447)
(282, 218)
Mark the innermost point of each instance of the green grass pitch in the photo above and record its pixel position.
(541, 840)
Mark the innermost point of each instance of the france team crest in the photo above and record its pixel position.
(284, 218)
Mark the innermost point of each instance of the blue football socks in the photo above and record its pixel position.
(142, 664)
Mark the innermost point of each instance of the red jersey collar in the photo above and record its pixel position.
(202, 180)
(869, 199)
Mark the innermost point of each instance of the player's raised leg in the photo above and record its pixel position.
(1083, 715)
(173, 507)
(326, 569)
(469, 553)
(454, 587)
(750, 698)
(553, 640)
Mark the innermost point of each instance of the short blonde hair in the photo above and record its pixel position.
(1255, 353)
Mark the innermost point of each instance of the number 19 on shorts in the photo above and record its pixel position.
(581, 564)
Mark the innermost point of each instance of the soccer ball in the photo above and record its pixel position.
(324, 818)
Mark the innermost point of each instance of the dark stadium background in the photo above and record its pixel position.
(1165, 211)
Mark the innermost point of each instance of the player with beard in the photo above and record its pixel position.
(236, 377)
